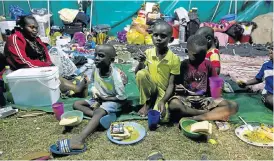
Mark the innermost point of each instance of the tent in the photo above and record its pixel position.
(123, 11)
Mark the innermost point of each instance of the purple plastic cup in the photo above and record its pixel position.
(216, 84)
(58, 109)
(153, 119)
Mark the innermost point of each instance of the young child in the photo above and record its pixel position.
(212, 52)
(156, 71)
(192, 97)
(110, 94)
(265, 73)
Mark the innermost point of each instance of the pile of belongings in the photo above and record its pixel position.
(230, 31)
(73, 20)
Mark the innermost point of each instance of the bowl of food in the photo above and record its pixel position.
(186, 126)
(71, 118)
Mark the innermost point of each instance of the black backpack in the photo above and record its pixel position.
(193, 25)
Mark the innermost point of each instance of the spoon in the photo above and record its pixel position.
(248, 126)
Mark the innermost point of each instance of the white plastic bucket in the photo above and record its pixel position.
(35, 86)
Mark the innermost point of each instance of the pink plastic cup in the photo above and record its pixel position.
(216, 84)
(58, 109)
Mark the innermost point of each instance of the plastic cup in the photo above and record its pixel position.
(216, 84)
(153, 119)
(58, 109)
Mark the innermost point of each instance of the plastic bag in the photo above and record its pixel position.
(134, 37)
(15, 11)
(148, 40)
(60, 59)
(122, 36)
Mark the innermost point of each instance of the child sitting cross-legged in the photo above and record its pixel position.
(110, 97)
(192, 97)
(265, 73)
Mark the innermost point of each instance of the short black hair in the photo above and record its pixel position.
(164, 23)
(195, 41)
(205, 31)
(21, 21)
(109, 49)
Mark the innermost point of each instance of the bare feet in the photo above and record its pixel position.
(144, 110)
(76, 143)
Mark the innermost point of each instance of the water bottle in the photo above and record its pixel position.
(182, 31)
(7, 71)
(6, 86)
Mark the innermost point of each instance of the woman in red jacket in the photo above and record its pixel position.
(24, 49)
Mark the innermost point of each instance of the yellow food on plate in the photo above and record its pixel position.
(129, 133)
(259, 136)
(68, 120)
(134, 134)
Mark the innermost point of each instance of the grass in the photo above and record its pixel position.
(19, 137)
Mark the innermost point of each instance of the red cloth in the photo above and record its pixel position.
(231, 40)
(245, 39)
(214, 56)
(16, 56)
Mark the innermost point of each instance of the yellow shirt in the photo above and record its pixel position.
(160, 70)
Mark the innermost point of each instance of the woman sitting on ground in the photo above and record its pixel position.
(24, 49)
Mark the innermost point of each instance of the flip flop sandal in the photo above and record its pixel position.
(155, 156)
(63, 148)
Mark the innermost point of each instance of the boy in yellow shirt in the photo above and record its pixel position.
(156, 71)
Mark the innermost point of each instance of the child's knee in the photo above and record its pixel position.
(233, 107)
(99, 112)
(76, 105)
(141, 74)
(173, 104)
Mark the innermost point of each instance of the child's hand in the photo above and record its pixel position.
(181, 89)
(241, 84)
(100, 98)
(141, 57)
(162, 108)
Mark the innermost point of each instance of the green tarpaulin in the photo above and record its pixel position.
(251, 107)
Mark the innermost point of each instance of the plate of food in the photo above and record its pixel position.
(262, 135)
(126, 132)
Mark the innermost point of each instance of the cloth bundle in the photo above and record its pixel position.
(15, 11)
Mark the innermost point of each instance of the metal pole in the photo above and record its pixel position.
(48, 15)
(230, 6)
(236, 7)
(90, 19)
(3, 5)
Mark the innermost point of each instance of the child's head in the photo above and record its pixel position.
(104, 56)
(208, 33)
(161, 34)
(197, 48)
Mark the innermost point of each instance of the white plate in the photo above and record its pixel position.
(138, 127)
(241, 130)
